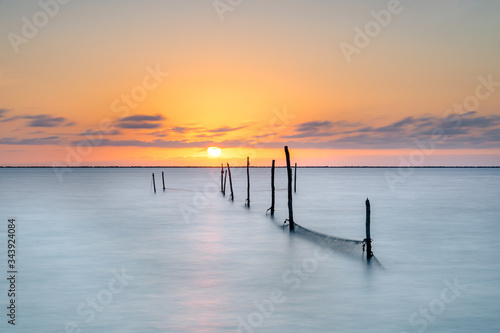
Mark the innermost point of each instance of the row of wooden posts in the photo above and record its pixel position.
(366, 242)
(162, 179)
(223, 179)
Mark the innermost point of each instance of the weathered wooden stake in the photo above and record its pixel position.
(230, 182)
(163, 180)
(290, 207)
(154, 184)
(221, 176)
(368, 240)
(272, 189)
(225, 178)
(248, 182)
(295, 179)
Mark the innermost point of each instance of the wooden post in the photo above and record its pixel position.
(368, 240)
(221, 177)
(295, 179)
(272, 189)
(248, 182)
(290, 207)
(225, 178)
(163, 180)
(154, 184)
(230, 182)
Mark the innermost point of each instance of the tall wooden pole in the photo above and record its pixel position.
(163, 180)
(225, 178)
(290, 207)
(230, 182)
(295, 179)
(368, 240)
(221, 177)
(272, 189)
(248, 182)
(154, 184)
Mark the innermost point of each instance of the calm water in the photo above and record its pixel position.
(100, 252)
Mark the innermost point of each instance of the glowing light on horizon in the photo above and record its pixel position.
(214, 151)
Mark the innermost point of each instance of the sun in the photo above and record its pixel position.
(214, 151)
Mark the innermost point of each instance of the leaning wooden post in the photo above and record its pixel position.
(225, 178)
(295, 179)
(154, 184)
(368, 240)
(221, 177)
(230, 182)
(290, 207)
(272, 189)
(248, 182)
(163, 180)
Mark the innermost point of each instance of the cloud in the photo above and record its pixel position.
(51, 140)
(160, 134)
(141, 121)
(42, 120)
(186, 129)
(138, 125)
(397, 126)
(94, 132)
(48, 121)
(317, 129)
(179, 129)
(158, 143)
(226, 129)
(3, 111)
(467, 130)
(143, 117)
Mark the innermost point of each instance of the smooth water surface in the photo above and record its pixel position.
(100, 252)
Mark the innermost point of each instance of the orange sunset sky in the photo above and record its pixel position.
(339, 82)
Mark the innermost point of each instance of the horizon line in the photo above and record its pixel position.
(244, 166)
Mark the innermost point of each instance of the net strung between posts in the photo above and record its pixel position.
(348, 246)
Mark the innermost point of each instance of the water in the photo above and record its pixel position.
(189, 260)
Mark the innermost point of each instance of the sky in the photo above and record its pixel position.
(342, 83)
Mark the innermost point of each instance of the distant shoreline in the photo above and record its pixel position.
(256, 167)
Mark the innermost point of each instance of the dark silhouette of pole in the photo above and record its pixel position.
(295, 179)
(230, 182)
(225, 178)
(248, 182)
(154, 184)
(221, 177)
(272, 189)
(290, 207)
(163, 180)
(368, 240)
